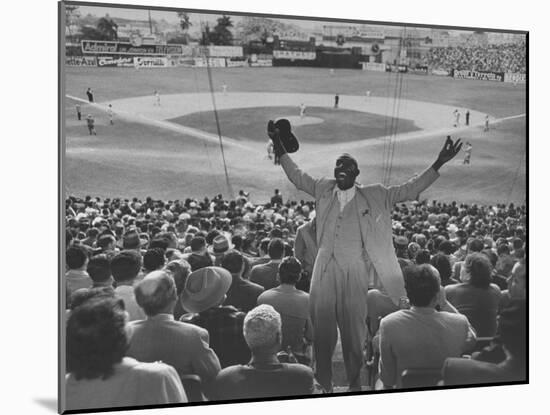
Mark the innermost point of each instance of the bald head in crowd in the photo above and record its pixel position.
(156, 293)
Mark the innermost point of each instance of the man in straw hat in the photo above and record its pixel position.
(354, 237)
(203, 295)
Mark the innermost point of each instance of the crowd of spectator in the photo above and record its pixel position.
(494, 58)
(217, 290)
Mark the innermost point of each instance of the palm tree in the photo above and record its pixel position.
(108, 28)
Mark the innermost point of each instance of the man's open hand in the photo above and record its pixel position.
(448, 152)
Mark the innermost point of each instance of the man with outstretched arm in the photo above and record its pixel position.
(354, 236)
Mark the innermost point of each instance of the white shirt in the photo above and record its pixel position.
(344, 196)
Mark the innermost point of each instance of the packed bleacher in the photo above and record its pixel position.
(494, 58)
(190, 300)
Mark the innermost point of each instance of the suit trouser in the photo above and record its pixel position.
(338, 298)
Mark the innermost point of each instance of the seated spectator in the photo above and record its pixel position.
(266, 275)
(513, 337)
(125, 268)
(478, 299)
(421, 337)
(107, 244)
(76, 277)
(505, 261)
(153, 260)
(199, 256)
(99, 270)
(423, 257)
(220, 245)
(99, 373)
(131, 240)
(516, 285)
(242, 294)
(293, 306)
(91, 237)
(441, 262)
(180, 270)
(203, 295)
(264, 376)
(263, 256)
(474, 245)
(159, 337)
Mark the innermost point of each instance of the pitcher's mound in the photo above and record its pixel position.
(297, 121)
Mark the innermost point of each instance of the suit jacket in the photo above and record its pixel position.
(420, 338)
(374, 204)
(181, 345)
(266, 275)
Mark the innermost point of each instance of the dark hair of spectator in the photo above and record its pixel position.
(503, 249)
(443, 265)
(290, 270)
(447, 247)
(92, 232)
(423, 257)
(76, 256)
(159, 243)
(96, 338)
(198, 243)
(276, 248)
(105, 240)
(153, 259)
(82, 295)
(517, 243)
(475, 245)
(211, 236)
(233, 261)
(237, 242)
(288, 251)
(478, 267)
(125, 266)
(264, 243)
(99, 268)
(493, 258)
(422, 284)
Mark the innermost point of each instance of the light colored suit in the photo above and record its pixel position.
(350, 258)
(374, 203)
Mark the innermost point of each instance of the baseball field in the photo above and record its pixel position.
(172, 150)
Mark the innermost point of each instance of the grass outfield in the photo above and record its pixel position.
(130, 159)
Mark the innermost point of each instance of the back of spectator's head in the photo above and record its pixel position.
(262, 329)
(159, 243)
(422, 284)
(106, 241)
(447, 247)
(211, 236)
(99, 269)
(423, 257)
(92, 232)
(475, 245)
(96, 338)
(443, 265)
(233, 261)
(198, 243)
(517, 243)
(276, 248)
(132, 240)
(82, 295)
(153, 259)
(491, 256)
(503, 249)
(76, 257)
(290, 270)
(276, 233)
(125, 266)
(180, 270)
(478, 267)
(156, 293)
(512, 328)
(237, 242)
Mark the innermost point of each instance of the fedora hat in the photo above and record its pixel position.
(221, 245)
(205, 288)
(288, 139)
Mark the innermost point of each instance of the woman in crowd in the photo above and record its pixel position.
(98, 373)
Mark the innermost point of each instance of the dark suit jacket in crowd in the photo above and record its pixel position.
(243, 294)
(266, 275)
